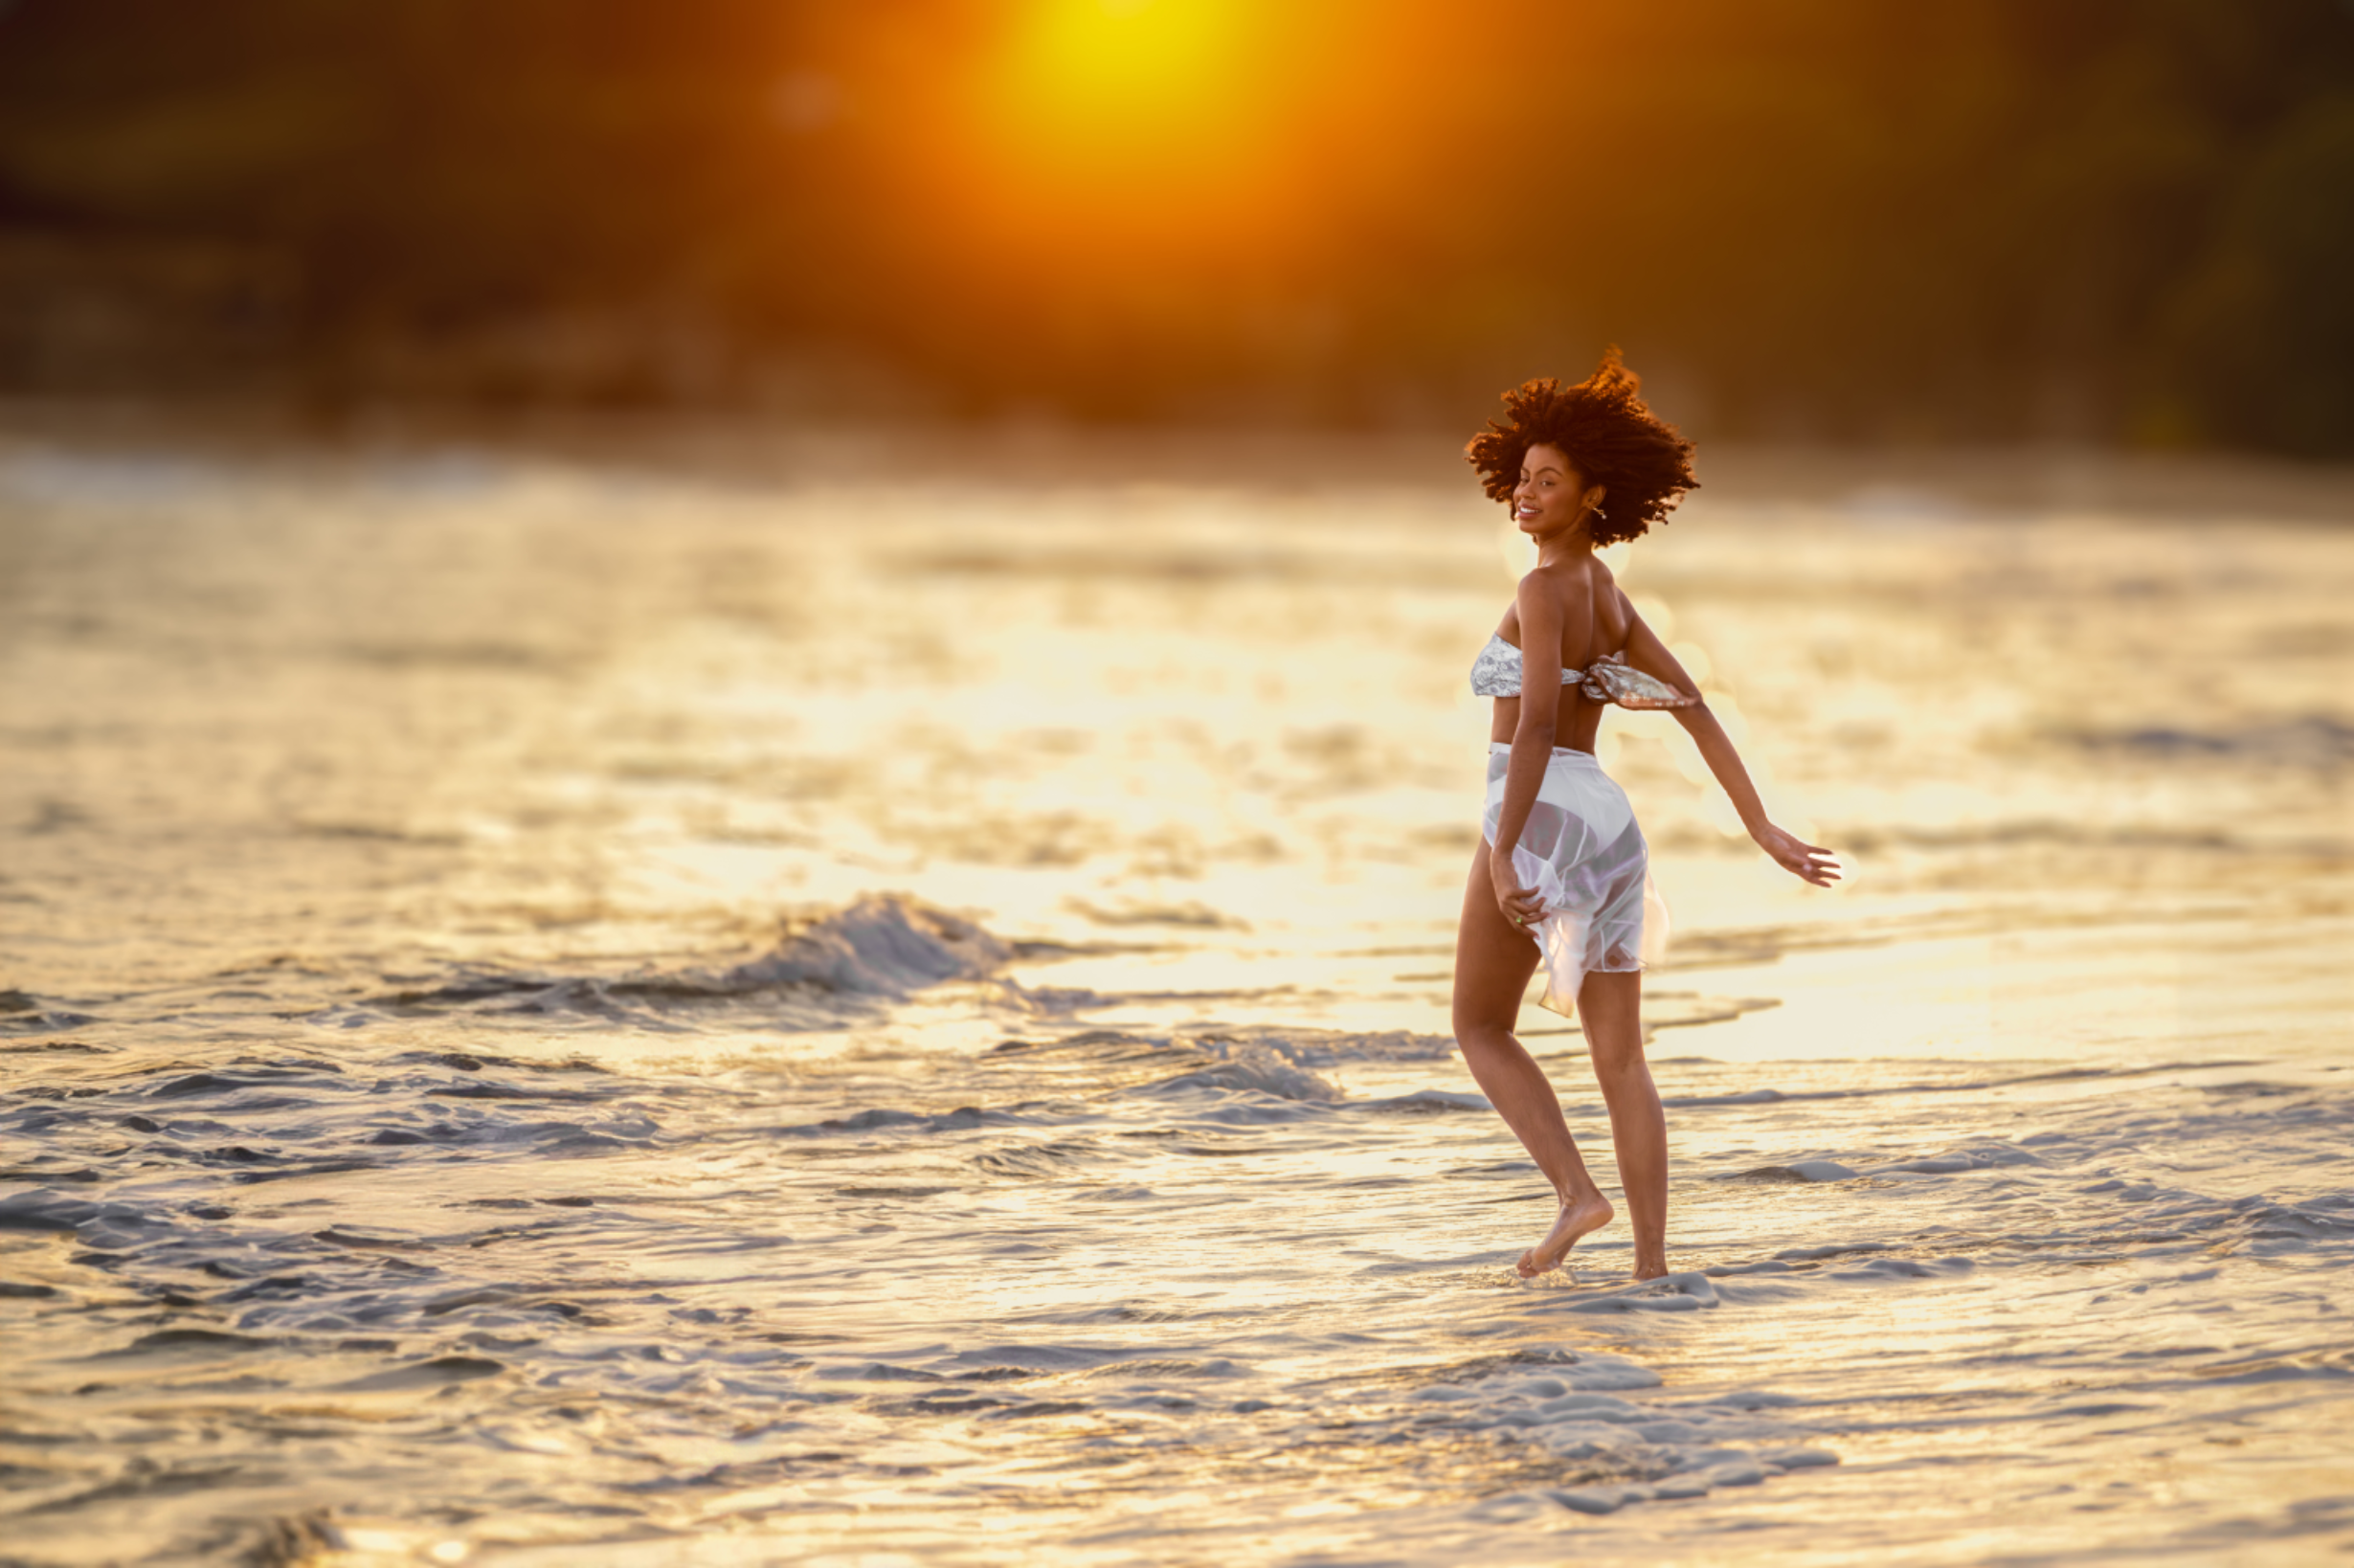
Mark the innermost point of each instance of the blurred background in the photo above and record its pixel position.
(2118, 223)
(522, 520)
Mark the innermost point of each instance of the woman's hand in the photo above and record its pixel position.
(1810, 863)
(1521, 906)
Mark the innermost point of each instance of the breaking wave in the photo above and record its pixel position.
(884, 947)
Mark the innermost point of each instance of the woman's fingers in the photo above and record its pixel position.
(1521, 906)
(1819, 867)
(1810, 863)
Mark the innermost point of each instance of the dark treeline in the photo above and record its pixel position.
(2116, 220)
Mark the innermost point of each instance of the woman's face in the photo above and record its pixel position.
(1548, 499)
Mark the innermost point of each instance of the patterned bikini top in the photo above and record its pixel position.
(1609, 679)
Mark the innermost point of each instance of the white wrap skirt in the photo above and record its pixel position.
(1586, 859)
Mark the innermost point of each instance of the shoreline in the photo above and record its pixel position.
(1923, 483)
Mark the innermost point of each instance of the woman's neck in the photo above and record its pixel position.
(1574, 543)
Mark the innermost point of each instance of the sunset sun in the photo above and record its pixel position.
(1108, 117)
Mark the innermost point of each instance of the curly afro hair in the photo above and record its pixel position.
(1614, 439)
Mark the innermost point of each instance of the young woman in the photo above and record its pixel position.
(1563, 876)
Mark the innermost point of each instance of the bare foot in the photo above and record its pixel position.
(1657, 1271)
(1584, 1215)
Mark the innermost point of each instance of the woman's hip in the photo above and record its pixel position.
(1574, 781)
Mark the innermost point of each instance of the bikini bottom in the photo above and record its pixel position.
(1586, 858)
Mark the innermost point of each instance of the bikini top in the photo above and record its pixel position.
(1609, 679)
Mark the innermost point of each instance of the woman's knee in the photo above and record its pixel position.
(1478, 1026)
(1617, 1062)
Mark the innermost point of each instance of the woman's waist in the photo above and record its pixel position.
(1576, 723)
(1574, 756)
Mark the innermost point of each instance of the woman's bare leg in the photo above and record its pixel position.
(1493, 960)
(1611, 1012)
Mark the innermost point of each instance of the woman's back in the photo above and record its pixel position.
(1595, 621)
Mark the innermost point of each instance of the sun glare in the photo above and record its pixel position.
(1131, 71)
(1124, 115)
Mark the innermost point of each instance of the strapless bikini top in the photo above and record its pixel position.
(1609, 679)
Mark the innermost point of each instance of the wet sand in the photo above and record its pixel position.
(560, 1009)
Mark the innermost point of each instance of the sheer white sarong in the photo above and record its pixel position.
(1586, 858)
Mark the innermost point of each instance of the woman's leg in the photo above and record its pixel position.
(1611, 1012)
(1493, 960)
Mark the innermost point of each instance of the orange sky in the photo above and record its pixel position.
(1081, 131)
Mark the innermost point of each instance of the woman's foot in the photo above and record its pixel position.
(1579, 1216)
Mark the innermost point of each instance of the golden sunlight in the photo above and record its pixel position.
(1105, 118)
(1122, 59)
(1092, 78)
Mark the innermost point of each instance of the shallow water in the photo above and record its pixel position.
(567, 1013)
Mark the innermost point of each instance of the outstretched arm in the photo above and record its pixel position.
(1810, 863)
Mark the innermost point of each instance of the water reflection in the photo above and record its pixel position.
(424, 1143)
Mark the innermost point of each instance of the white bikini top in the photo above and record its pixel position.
(1609, 679)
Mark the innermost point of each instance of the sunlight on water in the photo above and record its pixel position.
(563, 1014)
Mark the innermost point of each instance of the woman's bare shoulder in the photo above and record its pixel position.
(1612, 608)
(1565, 583)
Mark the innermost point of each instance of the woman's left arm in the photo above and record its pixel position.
(1810, 863)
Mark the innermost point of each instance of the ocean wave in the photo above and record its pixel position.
(1611, 1450)
(1242, 1068)
(2316, 740)
(1288, 1064)
(882, 1118)
(882, 944)
(882, 947)
(1315, 1048)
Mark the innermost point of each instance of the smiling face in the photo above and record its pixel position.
(1550, 497)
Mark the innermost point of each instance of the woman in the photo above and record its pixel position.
(1563, 876)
